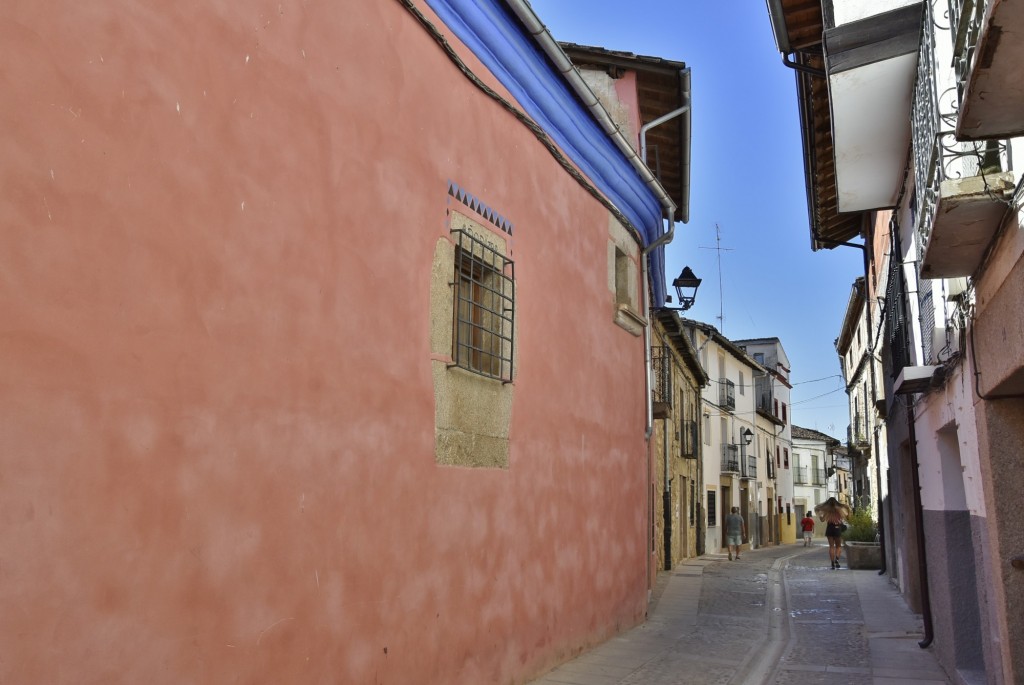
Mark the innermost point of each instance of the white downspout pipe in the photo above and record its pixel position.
(648, 366)
(564, 65)
(551, 48)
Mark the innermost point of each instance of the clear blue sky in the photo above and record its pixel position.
(747, 177)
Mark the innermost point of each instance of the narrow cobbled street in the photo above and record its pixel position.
(778, 615)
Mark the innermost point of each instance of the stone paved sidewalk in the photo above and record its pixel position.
(780, 615)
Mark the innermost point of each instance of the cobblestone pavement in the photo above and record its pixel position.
(779, 615)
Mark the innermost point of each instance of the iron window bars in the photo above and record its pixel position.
(661, 372)
(897, 323)
(484, 294)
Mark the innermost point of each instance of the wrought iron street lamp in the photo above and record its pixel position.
(747, 435)
(686, 285)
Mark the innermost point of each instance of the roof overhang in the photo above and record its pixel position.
(675, 331)
(509, 40)
(852, 318)
(663, 86)
(854, 148)
(871, 64)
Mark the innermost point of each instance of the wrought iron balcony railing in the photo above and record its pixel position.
(966, 18)
(819, 476)
(726, 394)
(800, 475)
(765, 394)
(857, 435)
(661, 381)
(897, 320)
(730, 459)
(938, 155)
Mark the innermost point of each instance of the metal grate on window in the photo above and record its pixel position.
(484, 295)
(661, 373)
(896, 321)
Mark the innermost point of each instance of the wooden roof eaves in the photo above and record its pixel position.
(828, 227)
(670, 321)
(799, 27)
(854, 307)
(723, 342)
(800, 23)
(661, 88)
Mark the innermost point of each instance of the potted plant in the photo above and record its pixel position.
(860, 540)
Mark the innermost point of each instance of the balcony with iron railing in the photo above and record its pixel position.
(897, 315)
(764, 392)
(749, 467)
(661, 381)
(818, 476)
(962, 186)
(800, 475)
(857, 435)
(987, 64)
(726, 394)
(688, 440)
(730, 459)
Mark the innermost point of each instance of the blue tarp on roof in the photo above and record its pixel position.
(498, 39)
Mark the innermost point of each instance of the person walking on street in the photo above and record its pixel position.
(735, 531)
(833, 513)
(807, 523)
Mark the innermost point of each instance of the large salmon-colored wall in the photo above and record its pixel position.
(216, 406)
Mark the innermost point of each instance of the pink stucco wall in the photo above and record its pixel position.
(625, 90)
(216, 444)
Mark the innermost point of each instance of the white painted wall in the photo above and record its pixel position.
(721, 364)
(846, 11)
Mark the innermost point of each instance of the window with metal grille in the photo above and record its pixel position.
(484, 292)
(927, 308)
(896, 322)
(712, 508)
(661, 374)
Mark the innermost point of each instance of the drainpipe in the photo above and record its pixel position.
(564, 65)
(796, 66)
(648, 366)
(666, 499)
(926, 603)
(669, 234)
(684, 77)
(561, 62)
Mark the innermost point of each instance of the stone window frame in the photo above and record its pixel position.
(472, 411)
(624, 257)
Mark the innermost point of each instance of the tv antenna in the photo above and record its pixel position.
(721, 295)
